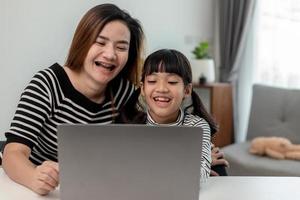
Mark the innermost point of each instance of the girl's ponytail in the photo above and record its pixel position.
(199, 109)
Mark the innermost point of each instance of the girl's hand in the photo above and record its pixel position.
(45, 178)
(217, 159)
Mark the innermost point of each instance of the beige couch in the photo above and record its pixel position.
(274, 112)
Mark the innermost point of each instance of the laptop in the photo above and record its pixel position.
(129, 162)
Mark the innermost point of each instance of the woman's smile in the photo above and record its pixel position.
(109, 67)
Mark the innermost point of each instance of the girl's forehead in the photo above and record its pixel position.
(163, 74)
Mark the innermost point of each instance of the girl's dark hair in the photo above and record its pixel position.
(133, 111)
(170, 61)
(88, 30)
(199, 109)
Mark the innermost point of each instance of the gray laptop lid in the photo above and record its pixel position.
(129, 162)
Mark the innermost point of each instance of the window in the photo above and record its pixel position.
(278, 43)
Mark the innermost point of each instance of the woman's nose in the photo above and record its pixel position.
(109, 52)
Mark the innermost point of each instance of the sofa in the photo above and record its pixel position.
(274, 112)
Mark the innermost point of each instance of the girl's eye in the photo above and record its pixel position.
(173, 82)
(151, 81)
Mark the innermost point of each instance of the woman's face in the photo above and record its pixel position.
(164, 93)
(109, 54)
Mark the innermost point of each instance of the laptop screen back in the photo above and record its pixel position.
(129, 162)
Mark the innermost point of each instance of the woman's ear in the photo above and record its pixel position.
(188, 90)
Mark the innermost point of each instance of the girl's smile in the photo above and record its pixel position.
(164, 93)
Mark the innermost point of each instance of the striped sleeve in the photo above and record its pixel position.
(32, 111)
(192, 120)
(50, 100)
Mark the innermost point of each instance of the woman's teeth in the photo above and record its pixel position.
(106, 66)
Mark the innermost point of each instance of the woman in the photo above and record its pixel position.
(93, 85)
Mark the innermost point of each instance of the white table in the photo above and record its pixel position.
(9, 190)
(216, 188)
(251, 188)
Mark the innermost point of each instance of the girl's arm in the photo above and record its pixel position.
(206, 155)
(41, 179)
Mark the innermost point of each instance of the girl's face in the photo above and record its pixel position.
(164, 93)
(109, 54)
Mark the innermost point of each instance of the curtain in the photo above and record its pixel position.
(277, 43)
(235, 28)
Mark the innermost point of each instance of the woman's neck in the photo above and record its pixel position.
(85, 86)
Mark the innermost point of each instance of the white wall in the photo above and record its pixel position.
(36, 33)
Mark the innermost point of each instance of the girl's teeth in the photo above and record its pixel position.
(162, 99)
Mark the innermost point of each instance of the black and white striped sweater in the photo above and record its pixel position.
(50, 100)
(185, 119)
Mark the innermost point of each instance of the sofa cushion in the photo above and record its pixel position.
(275, 112)
(242, 163)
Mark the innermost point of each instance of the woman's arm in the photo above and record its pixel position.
(41, 179)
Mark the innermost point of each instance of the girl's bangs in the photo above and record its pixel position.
(166, 62)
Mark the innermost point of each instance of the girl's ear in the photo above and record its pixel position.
(142, 89)
(188, 90)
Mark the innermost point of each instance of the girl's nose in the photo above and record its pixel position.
(162, 87)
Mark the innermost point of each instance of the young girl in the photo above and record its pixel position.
(166, 81)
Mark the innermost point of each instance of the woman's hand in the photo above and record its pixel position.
(217, 159)
(41, 179)
(45, 178)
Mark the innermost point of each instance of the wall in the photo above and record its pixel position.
(35, 34)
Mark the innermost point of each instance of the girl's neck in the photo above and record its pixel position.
(85, 86)
(176, 122)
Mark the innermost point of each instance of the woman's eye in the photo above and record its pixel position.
(122, 48)
(100, 43)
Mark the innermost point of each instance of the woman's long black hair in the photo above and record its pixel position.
(170, 61)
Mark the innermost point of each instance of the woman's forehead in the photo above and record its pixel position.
(116, 31)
